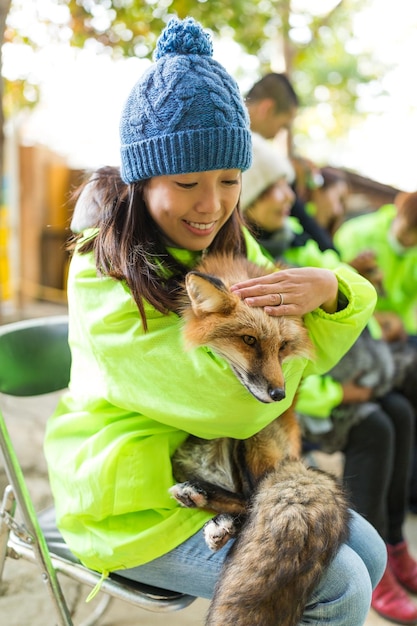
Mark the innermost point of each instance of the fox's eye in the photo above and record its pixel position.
(249, 340)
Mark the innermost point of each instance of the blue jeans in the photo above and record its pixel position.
(342, 598)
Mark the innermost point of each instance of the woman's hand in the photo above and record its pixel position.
(293, 291)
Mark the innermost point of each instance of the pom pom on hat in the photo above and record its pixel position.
(268, 166)
(185, 114)
(185, 37)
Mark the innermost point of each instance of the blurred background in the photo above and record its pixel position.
(68, 65)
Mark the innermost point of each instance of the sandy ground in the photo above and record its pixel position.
(24, 601)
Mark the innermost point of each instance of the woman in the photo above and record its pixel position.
(135, 394)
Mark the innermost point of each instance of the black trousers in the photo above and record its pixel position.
(409, 389)
(378, 458)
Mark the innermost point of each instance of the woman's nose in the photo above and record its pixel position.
(209, 202)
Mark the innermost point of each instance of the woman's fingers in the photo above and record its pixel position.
(295, 291)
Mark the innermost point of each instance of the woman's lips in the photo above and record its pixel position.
(200, 228)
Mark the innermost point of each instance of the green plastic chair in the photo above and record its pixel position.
(34, 360)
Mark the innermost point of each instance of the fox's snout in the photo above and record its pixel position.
(263, 379)
(277, 393)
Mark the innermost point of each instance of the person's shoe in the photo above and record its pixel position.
(403, 566)
(391, 601)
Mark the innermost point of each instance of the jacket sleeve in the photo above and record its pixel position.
(317, 396)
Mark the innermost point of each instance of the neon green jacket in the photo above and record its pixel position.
(309, 254)
(134, 396)
(371, 232)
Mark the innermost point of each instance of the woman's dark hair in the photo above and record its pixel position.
(129, 246)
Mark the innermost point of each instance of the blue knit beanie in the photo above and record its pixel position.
(185, 114)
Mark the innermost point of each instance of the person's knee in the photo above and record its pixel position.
(347, 584)
(358, 595)
(345, 589)
(366, 542)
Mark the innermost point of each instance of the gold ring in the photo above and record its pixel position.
(281, 299)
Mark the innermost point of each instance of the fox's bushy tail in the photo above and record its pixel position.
(297, 520)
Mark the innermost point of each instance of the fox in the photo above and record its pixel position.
(287, 519)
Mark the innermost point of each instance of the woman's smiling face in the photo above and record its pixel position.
(190, 209)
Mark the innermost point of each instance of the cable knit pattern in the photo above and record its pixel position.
(185, 114)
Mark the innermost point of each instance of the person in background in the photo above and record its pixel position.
(352, 408)
(135, 393)
(272, 104)
(389, 235)
(327, 202)
(266, 201)
(387, 239)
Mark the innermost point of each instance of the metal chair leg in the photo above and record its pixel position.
(7, 509)
(20, 493)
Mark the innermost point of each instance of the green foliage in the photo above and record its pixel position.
(19, 94)
(315, 46)
(123, 27)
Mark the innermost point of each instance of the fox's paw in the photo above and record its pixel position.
(189, 495)
(218, 531)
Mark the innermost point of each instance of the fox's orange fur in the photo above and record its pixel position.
(294, 518)
(253, 343)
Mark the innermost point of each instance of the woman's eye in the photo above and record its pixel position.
(186, 185)
(232, 183)
(249, 340)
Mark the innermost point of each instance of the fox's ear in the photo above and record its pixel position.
(208, 294)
